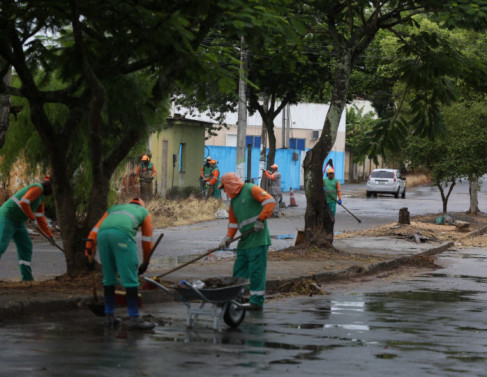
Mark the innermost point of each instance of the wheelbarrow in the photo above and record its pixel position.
(224, 303)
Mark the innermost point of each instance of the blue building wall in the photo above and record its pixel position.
(289, 168)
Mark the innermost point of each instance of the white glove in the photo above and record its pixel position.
(258, 226)
(225, 242)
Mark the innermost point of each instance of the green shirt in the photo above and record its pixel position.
(331, 188)
(125, 217)
(11, 208)
(246, 210)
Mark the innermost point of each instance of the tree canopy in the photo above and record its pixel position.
(95, 77)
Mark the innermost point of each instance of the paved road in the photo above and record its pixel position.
(432, 324)
(182, 243)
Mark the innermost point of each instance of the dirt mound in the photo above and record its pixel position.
(424, 228)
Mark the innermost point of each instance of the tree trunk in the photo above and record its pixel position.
(473, 188)
(445, 197)
(404, 216)
(5, 108)
(319, 220)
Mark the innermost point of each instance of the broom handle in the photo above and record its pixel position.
(202, 255)
(345, 208)
(155, 245)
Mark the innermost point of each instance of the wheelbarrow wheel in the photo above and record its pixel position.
(234, 315)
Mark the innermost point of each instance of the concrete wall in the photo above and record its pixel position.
(165, 146)
(291, 169)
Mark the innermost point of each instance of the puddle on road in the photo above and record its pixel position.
(423, 295)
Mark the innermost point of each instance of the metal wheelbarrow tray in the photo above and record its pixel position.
(225, 302)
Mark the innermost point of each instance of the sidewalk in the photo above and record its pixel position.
(356, 256)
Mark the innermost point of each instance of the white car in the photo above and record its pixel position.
(386, 181)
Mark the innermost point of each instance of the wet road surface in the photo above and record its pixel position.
(428, 325)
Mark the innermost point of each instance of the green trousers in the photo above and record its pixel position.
(118, 254)
(252, 264)
(333, 206)
(18, 232)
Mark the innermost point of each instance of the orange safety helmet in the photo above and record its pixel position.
(331, 170)
(274, 166)
(145, 158)
(138, 201)
(213, 162)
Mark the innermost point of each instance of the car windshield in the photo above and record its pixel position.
(382, 174)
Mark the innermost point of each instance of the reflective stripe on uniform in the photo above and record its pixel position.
(25, 200)
(233, 225)
(146, 239)
(95, 229)
(16, 201)
(27, 263)
(39, 214)
(260, 293)
(267, 202)
(128, 214)
(248, 221)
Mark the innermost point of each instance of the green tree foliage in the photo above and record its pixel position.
(100, 80)
(350, 28)
(459, 153)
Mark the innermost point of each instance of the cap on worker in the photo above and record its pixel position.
(331, 170)
(213, 162)
(138, 201)
(208, 158)
(274, 166)
(145, 158)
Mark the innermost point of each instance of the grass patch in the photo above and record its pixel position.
(413, 180)
(191, 210)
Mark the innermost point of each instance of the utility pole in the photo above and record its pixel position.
(288, 124)
(286, 112)
(242, 113)
(263, 144)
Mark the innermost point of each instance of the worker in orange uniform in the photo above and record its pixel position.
(25, 205)
(214, 181)
(115, 236)
(146, 172)
(274, 187)
(250, 206)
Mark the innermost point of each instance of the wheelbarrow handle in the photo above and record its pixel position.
(202, 255)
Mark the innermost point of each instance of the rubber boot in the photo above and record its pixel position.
(26, 272)
(135, 322)
(109, 297)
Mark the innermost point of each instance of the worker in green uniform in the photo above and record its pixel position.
(204, 174)
(250, 206)
(115, 235)
(214, 181)
(25, 205)
(332, 190)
